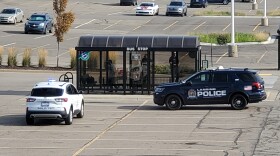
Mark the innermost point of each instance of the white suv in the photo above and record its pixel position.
(54, 100)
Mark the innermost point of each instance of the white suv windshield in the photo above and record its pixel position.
(46, 92)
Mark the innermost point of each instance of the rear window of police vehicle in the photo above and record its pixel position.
(249, 77)
(46, 92)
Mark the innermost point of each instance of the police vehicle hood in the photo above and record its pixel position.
(169, 84)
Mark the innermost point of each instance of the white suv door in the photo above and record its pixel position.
(73, 96)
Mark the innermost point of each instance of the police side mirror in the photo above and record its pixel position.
(80, 92)
(188, 83)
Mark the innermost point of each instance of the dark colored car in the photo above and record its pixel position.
(176, 7)
(198, 3)
(128, 2)
(236, 87)
(225, 2)
(278, 31)
(39, 23)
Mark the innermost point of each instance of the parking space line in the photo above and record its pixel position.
(261, 57)
(8, 35)
(84, 24)
(171, 25)
(221, 57)
(35, 48)
(226, 27)
(199, 25)
(141, 25)
(43, 36)
(256, 26)
(115, 13)
(112, 24)
(8, 44)
(108, 129)
(72, 38)
(63, 53)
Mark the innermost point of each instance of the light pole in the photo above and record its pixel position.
(264, 20)
(232, 48)
(255, 5)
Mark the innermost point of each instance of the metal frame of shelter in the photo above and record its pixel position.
(94, 52)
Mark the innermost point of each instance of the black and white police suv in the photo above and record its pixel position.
(54, 100)
(233, 86)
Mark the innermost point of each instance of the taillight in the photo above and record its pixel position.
(30, 99)
(256, 85)
(61, 99)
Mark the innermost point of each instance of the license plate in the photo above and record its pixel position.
(45, 104)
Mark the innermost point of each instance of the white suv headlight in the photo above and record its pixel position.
(159, 89)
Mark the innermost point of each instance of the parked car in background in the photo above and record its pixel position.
(128, 2)
(198, 3)
(278, 31)
(39, 22)
(147, 8)
(11, 15)
(225, 2)
(177, 7)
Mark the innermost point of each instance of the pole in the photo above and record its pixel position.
(264, 20)
(278, 51)
(255, 5)
(232, 48)
(232, 23)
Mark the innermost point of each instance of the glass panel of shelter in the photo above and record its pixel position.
(134, 71)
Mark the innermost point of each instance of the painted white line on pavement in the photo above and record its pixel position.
(45, 139)
(8, 35)
(221, 57)
(112, 24)
(115, 13)
(9, 44)
(64, 53)
(43, 36)
(85, 23)
(141, 25)
(226, 27)
(72, 38)
(261, 57)
(108, 129)
(199, 25)
(171, 25)
(256, 26)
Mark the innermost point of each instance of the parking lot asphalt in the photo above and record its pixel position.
(133, 124)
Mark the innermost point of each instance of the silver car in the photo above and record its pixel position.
(177, 7)
(11, 15)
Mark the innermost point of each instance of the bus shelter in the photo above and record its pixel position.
(134, 64)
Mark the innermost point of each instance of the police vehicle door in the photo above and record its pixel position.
(219, 88)
(195, 88)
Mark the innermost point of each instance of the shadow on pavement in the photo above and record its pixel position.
(196, 107)
(19, 120)
(13, 92)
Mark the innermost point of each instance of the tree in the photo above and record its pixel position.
(64, 20)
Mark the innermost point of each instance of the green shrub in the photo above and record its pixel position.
(26, 59)
(223, 38)
(162, 69)
(42, 57)
(12, 57)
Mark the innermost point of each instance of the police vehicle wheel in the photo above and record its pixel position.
(69, 119)
(173, 102)
(238, 102)
(81, 114)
